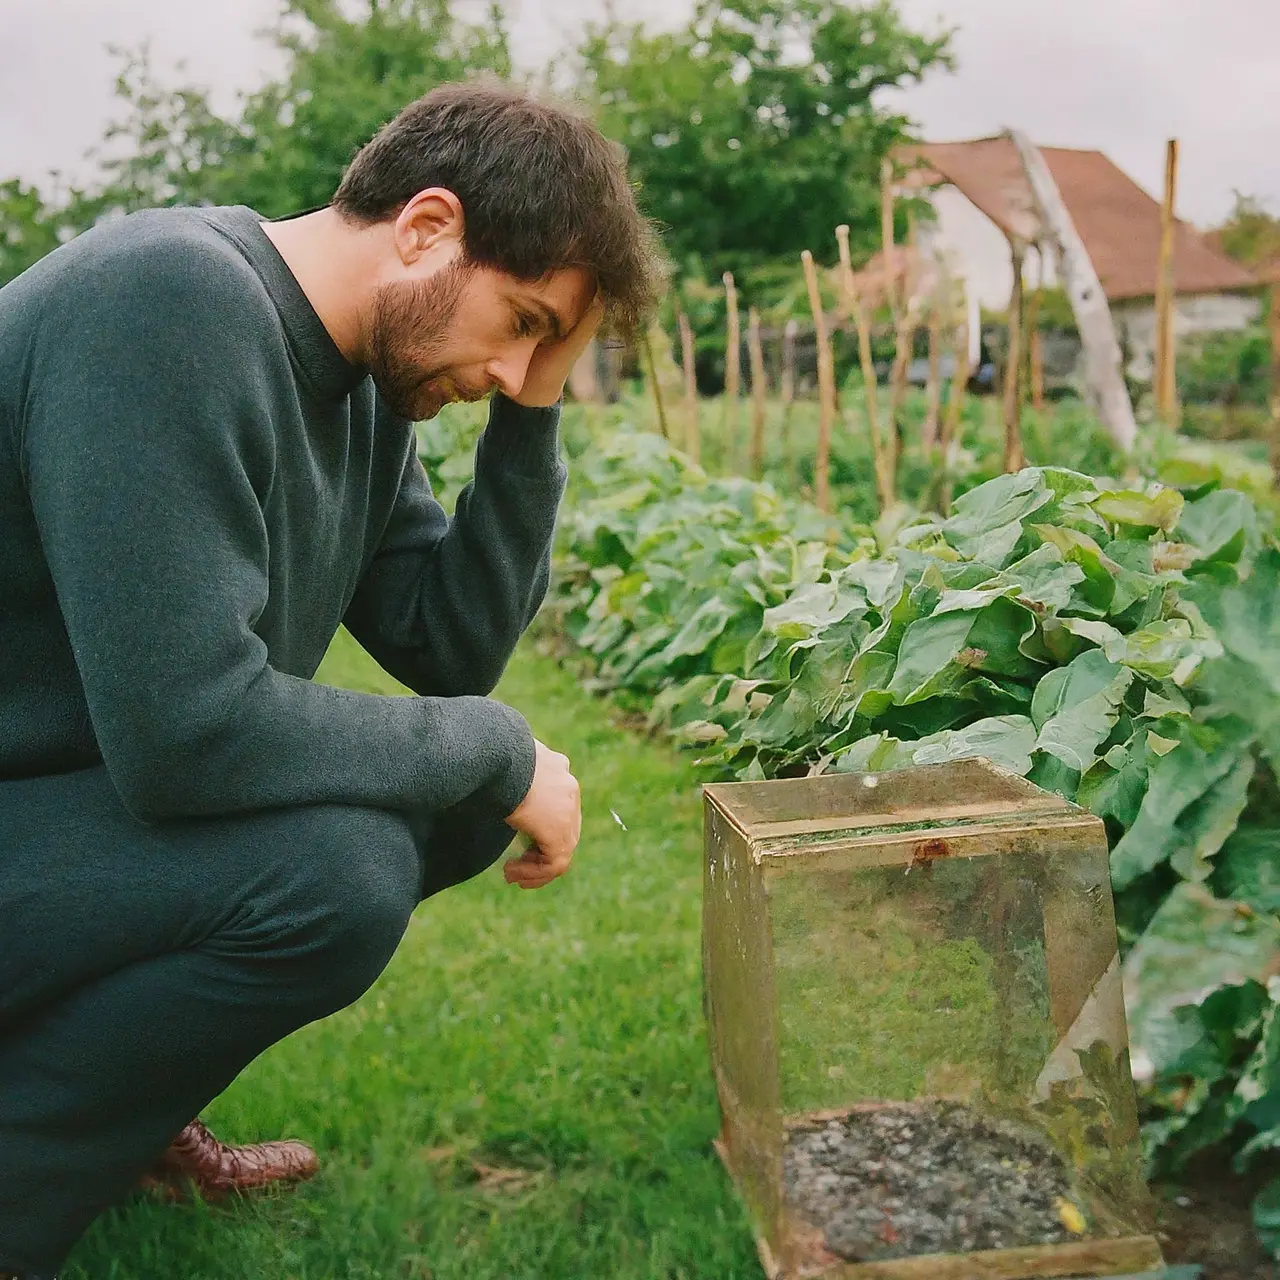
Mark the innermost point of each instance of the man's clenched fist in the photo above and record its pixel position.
(551, 816)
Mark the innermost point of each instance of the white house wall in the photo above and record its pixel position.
(1198, 313)
(977, 249)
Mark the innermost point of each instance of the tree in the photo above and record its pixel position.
(1251, 235)
(758, 128)
(287, 146)
(344, 77)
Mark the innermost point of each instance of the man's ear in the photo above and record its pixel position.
(430, 222)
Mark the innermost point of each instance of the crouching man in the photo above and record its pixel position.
(207, 465)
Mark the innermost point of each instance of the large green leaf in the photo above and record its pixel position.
(1168, 649)
(997, 503)
(1222, 526)
(1044, 577)
(1205, 754)
(1076, 707)
(1249, 867)
(704, 626)
(864, 692)
(813, 607)
(1115, 786)
(1004, 740)
(1246, 620)
(1204, 827)
(1195, 944)
(877, 578)
(1000, 640)
(929, 647)
(786, 722)
(1159, 510)
(1097, 589)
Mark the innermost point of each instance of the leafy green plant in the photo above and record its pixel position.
(759, 125)
(1116, 645)
(1232, 368)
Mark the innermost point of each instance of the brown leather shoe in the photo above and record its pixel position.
(196, 1158)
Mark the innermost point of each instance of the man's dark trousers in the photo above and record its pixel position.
(142, 966)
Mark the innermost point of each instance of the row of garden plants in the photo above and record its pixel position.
(1117, 645)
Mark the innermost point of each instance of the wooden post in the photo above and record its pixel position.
(1275, 385)
(1013, 458)
(732, 376)
(857, 307)
(933, 388)
(647, 346)
(788, 396)
(1108, 394)
(1165, 381)
(955, 401)
(905, 325)
(1035, 341)
(886, 234)
(759, 390)
(692, 435)
(826, 387)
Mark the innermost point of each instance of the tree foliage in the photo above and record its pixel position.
(31, 226)
(344, 77)
(754, 130)
(1251, 235)
(286, 145)
(759, 126)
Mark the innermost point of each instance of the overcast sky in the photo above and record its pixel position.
(1117, 75)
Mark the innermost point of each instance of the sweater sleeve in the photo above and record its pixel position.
(147, 461)
(444, 601)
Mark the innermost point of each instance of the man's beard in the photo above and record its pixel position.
(408, 325)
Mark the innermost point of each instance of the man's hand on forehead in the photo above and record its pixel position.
(555, 357)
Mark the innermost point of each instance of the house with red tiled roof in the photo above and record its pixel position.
(981, 196)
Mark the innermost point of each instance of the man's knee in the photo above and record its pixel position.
(349, 886)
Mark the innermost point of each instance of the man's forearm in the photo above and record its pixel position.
(444, 602)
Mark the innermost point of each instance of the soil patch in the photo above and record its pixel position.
(1206, 1218)
(936, 1177)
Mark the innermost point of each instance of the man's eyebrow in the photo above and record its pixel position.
(550, 317)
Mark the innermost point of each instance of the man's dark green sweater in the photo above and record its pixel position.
(196, 489)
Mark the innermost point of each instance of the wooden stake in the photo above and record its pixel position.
(886, 234)
(692, 435)
(1035, 341)
(933, 388)
(759, 389)
(1013, 457)
(960, 372)
(826, 386)
(788, 387)
(856, 306)
(1166, 377)
(788, 395)
(647, 346)
(908, 319)
(1275, 385)
(732, 376)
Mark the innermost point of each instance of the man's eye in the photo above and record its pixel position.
(526, 325)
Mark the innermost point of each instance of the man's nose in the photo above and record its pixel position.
(511, 368)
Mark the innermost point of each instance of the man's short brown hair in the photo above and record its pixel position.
(541, 189)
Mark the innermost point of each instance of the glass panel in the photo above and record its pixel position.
(943, 1090)
(897, 982)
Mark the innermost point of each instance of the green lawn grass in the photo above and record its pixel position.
(557, 1033)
